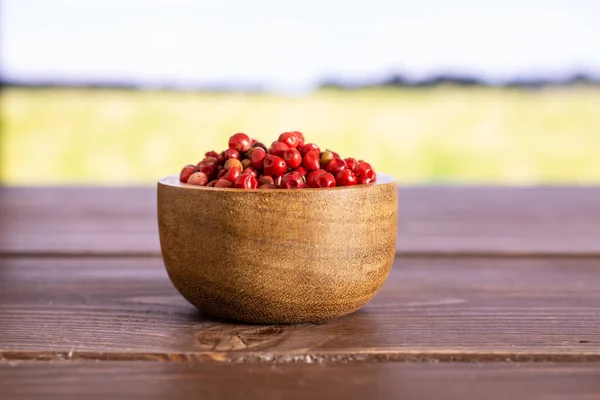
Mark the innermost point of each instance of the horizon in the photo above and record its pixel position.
(390, 81)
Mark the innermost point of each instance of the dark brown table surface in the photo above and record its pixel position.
(495, 293)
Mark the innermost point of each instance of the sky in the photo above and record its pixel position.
(293, 45)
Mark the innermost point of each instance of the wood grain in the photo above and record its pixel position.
(127, 380)
(76, 220)
(459, 309)
(432, 220)
(278, 256)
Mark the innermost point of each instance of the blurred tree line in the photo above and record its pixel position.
(393, 80)
(399, 80)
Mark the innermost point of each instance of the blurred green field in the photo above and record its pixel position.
(483, 135)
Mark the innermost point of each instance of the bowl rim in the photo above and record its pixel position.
(173, 181)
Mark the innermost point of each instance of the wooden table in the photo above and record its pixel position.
(494, 291)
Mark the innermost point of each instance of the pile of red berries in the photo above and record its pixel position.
(287, 164)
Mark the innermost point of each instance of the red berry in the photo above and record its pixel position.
(364, 173)
(278, 181)
(257, 157)
(212, 183)
(232, 174)
(265, 180)
(309, 147)
(300, 137)
(223, 183)
(292, 180)
(210, 160)
(310, 179)
(221, 173)
(311, 160)
(325, 180)
(186, 172)
(209, 170)
(233, 163)
(325, 157)
(211, 154)
(231, 153)
(259, 144)
(221, 158)
(336, 165)
(203, 163)
(301, 170)
(334, 153)
(292, 158)
(240, 142)
(274, 166)
(289, 138)
(251, 171)
(246, 181)
(198, 179)
(267, 186)
(345, 178)
(351, 163)
(278, 148)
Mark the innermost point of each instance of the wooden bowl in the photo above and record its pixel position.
(278, 256)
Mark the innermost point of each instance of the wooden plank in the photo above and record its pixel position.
(147, 380)
(459, 309)
(77, 220)
(499, 220)
(432, 220)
